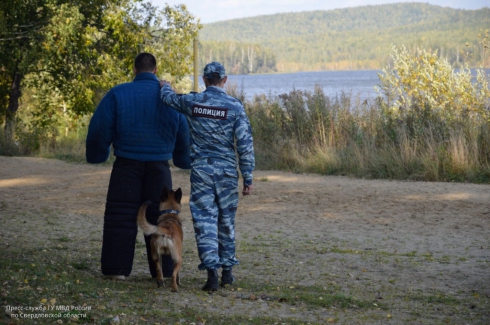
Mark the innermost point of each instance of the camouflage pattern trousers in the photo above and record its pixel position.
(213, 204)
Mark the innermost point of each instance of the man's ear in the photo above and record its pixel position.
(155, 70)
(224, 80)
(205, 80)
(134, 70)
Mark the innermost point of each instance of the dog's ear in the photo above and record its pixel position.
(164, 196)
(178, 195)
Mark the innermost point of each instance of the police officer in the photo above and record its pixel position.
(219, 130)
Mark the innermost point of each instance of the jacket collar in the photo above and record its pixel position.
(145, 76)
(215, 89)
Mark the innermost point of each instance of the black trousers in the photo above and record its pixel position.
(132, 183)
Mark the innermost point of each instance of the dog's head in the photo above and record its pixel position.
(170, 199)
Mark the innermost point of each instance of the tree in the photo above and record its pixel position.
(28, 40)
(73, 51)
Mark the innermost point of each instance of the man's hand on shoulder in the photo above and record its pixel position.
(164, 82)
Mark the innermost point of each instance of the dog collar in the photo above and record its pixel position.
(169, 211)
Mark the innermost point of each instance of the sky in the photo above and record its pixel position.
(216, 10)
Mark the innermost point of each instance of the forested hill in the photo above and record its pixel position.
(351, 38)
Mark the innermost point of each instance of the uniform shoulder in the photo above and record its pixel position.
(235, 100)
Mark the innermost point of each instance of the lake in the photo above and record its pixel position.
(358, 82)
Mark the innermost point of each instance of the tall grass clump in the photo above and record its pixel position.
(429, 122)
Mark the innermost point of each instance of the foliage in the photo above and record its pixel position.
(178, 29)
(358, 38)
(422, 78)
(69, 54)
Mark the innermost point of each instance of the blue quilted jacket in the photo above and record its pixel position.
(133, 119)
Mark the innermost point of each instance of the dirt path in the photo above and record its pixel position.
(373, 238)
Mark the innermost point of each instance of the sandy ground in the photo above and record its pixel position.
(351, 232)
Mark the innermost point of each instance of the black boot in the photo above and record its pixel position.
(212, 283)
(227, 278)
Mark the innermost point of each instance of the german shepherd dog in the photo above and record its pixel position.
(167, 236)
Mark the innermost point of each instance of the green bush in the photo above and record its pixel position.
(422, 78)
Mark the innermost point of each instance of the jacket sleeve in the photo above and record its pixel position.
(176, 101)
(245, 147)
(101, 131)
(180, 155)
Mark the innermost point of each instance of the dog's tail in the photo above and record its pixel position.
(148, 228)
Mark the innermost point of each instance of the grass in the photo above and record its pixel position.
(280, 281)
(73, 294)
(308, 296)
(306, 131)
(56, 277)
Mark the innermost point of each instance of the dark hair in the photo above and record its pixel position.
(215, 80)
(145, 62)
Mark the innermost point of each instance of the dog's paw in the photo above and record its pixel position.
(160, 283)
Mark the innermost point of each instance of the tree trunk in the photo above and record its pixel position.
(250, 52)
(11, 111)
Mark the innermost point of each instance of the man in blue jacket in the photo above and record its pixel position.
(220, 131)
(145, 135)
